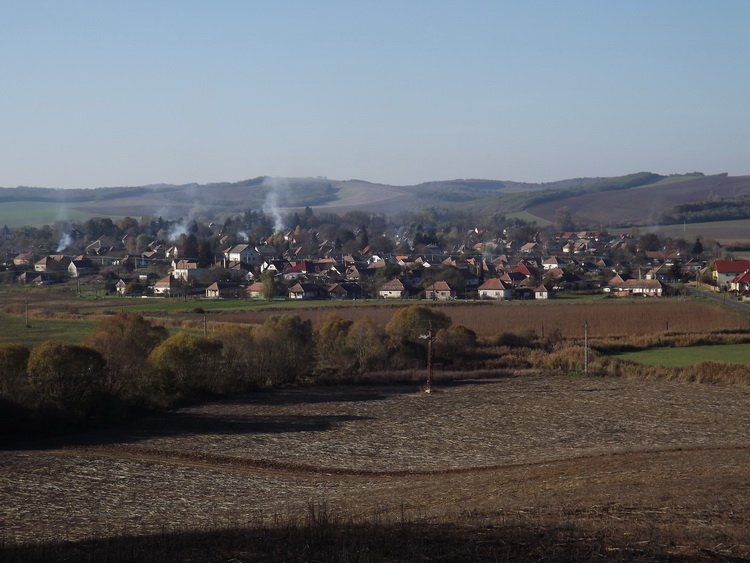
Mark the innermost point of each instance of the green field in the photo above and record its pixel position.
(21, 213)
(13, 329)
(530, 218)
(683, 357)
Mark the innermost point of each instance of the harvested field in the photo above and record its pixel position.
(606, 318)
(634, 457)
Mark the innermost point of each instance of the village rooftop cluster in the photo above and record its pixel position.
(296, 266)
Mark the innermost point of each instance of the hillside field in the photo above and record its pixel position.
(525, 468)
(634, 206)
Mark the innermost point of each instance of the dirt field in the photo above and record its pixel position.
(626, 456)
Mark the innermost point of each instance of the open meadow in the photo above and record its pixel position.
(524, 467)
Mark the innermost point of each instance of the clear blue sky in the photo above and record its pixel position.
(105, 93)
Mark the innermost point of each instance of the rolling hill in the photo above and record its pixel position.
(640, 199)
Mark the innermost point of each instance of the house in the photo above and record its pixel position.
(254, 290)
(169, 286)
(24, 259)
(300, 270)
(81, 266)
(243, 253)
(120, 287)
(345, 290)
(495, 288)
(52, 263)
(393, 289)
(188, 270)
(224, 289)
(100, 246)
(440, 291)
(551, 263)
(306, 291)
(542, 292)
(724, 271)
(741, 282)
(35, 278)
(651, 288)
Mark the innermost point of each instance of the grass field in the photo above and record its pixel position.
(625, 470)
(682, 357)
(13, 329)
(21, 213)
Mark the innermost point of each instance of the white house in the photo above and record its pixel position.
(243, 253)
(495, 288)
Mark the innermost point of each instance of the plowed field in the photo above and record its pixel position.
(633, 457)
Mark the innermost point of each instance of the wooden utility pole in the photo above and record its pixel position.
(586, 347)
(429, 338)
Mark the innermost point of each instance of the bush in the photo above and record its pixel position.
(66, 377)
(526, 339)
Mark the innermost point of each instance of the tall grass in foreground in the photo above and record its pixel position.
(554, 534)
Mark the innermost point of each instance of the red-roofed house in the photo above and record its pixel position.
(440, 291)
(724, 271)
(740, 282)
(495, 288)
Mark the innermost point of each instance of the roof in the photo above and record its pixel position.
(641, 284)
(392, 285)
(440, 286)
(731, 266)
(493, 284)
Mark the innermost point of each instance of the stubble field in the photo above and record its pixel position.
(651, 467)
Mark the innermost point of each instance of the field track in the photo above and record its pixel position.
(594, 452)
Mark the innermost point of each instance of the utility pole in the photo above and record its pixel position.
(429, 338)
(586, 348)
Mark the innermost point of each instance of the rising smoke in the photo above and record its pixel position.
(276, 188)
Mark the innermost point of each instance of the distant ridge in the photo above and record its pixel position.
(642, 198)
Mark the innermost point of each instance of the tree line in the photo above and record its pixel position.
(131, 366)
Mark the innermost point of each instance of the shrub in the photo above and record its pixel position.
(66, 377)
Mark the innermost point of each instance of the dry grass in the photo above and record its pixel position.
(608, 318)
(627, 464)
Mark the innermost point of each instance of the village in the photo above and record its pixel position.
(295, 266)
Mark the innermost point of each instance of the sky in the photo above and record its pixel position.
(105, 93)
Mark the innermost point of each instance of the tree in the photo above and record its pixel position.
(192, 249)
(564, 219)
(238, 359)
(66, 376)
(409, 323)
(13, 360)
(125, 340)
(650, 242)
(367, 341)
(284, 348)
(186, 363)
(453, 344)
(697, 248)
(271, 285)
(331, 343)
(675, 271)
